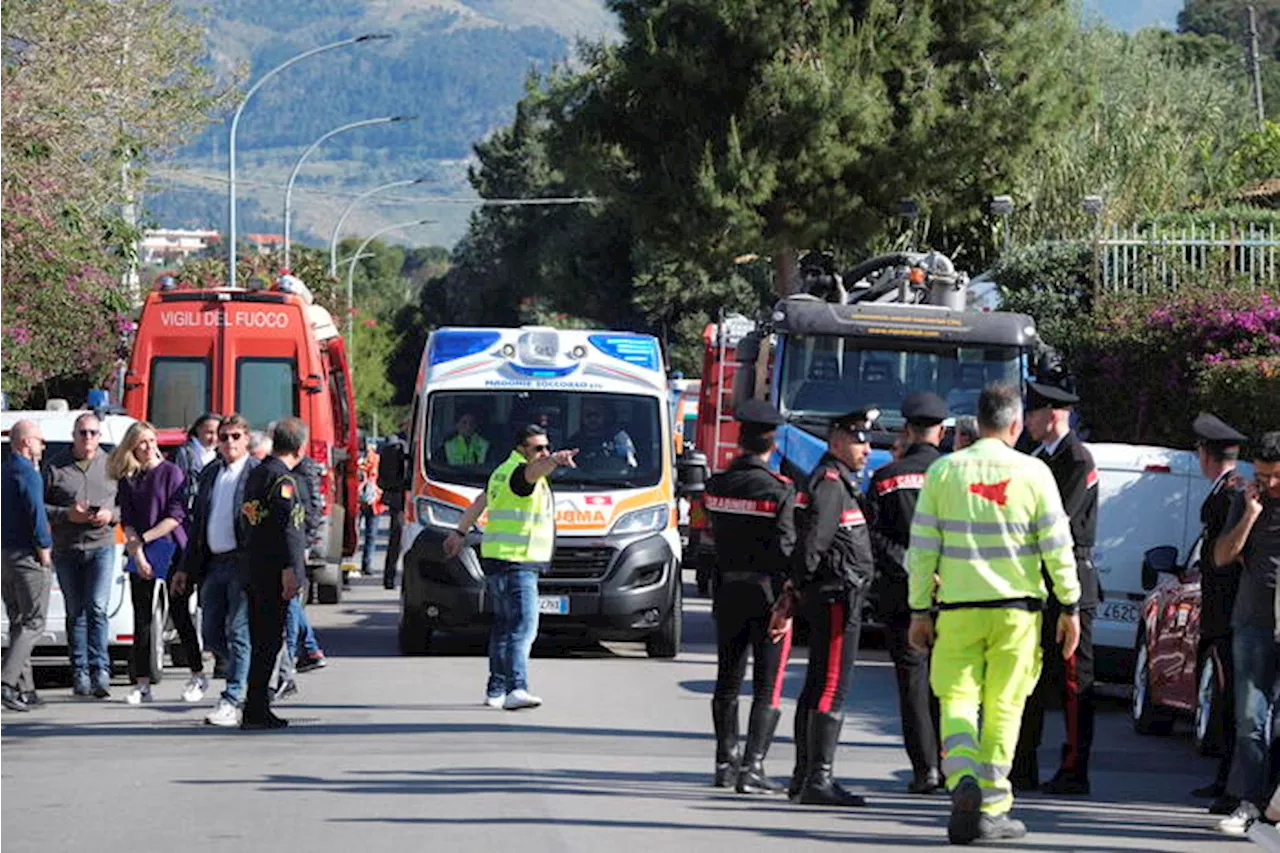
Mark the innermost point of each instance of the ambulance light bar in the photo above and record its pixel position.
(450, 344)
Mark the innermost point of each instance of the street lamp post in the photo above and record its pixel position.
(235, 124)
(288, 187)
(351, 272)
(337, 228)
(1002, 206)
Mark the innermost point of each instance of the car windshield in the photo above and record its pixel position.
(826, 376)
(618, 436)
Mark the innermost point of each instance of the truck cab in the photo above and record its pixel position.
(615, 573)
(266, 352)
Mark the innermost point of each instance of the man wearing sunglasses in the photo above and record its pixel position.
(833, 568)
(519, 538)
(216, 559)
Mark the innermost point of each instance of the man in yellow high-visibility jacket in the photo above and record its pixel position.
(988, 517)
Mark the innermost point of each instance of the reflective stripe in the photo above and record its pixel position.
(994, 772)
(506, 538)
(802, 500)
(953, 764)
(741, 506)
(510, 514)
(1002, 551)
(924, 519)
(1048, 522)
(1055, 543)
(852, 518)
(991, 796)
(959, 740)
(902, 481)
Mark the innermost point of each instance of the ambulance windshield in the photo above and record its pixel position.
(618, 436)
(827, 375)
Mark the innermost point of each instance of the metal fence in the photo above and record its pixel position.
(1161, 257)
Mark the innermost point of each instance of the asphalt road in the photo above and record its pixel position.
(392, 753)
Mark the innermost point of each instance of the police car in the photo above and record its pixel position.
(56, 423)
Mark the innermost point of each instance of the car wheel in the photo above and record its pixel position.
(1148, 719)
(665, 643)
(1208, 721)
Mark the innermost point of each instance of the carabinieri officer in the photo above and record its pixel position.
(752, 518)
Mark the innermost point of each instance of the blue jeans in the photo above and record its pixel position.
(226, 622)
(513, 597)
(299, 636)
(85, 578)
(1254, 656)
(369, 526)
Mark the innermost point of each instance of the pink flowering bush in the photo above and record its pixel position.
(1148, 364)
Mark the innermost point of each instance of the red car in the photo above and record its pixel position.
(1169, 680)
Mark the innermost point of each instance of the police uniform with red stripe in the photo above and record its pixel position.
(752, 512)
(1077, 478)
(834, 569)
(892, 497)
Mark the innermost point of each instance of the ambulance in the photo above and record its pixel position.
(615, 573)
(267, 352)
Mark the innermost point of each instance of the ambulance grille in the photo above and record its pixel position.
(580, 562)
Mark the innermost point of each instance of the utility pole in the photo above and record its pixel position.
(1255, 64)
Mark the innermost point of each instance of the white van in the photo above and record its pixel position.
(52, 650)
(1147, 496)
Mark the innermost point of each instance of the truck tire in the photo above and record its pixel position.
(1148, 718)
(665, 642)
(414, 634)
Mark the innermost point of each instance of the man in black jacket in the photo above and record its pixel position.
(833, 569)
(1048, 422)
(752, 518)
(892, 497)
(393, 479)
(273, 505)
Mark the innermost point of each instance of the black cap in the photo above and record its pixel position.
(1211, 429)
(1055, 395)
(925, 408)
(759, 412)
(858, 422)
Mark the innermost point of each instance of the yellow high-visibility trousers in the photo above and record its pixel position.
(985, 663)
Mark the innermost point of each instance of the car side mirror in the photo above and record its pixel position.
(1156, 561)
(313, 384)
(691, 474)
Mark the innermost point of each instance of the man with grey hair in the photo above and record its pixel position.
(27, 549)
(966, 432)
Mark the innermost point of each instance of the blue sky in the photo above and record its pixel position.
(1135, 14)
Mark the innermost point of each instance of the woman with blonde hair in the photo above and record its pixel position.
(153, 505)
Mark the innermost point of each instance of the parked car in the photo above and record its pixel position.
(1170, 679)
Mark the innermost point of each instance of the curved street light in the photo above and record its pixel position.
(235, 123)
(288, 187)
(351, 272)
(337, 228)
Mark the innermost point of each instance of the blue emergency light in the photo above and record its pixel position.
(451, 344)
(634, 349)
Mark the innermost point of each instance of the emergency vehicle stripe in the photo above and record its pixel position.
(1091, 479)
(775, 701)
(741, 506)
(852, 518)
(902, 481)
(835, 656)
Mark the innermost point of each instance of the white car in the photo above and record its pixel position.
(52, 650)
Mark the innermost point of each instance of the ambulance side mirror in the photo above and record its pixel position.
(1157, 561)
(313, 384)
(691, 474)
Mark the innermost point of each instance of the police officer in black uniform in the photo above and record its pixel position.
(892, 499)
(1049, 407)
(752, 518)
(276, 551)
(833, 570)
(1218, 446)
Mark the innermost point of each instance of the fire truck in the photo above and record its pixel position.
(891, 325)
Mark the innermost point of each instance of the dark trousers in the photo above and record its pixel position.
(742, 622)
(266, 634)
(142, 593)
(26, 586)
(834, 629)
(393, 545)
(916, 702)
(1071, 681)
(1219, 648)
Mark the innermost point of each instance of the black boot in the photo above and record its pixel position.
(820, 787)
(801, 740)
(724, 716)
(752, 779)
(925, 782)
(1069, 781)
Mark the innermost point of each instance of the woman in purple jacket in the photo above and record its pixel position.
(153, 505)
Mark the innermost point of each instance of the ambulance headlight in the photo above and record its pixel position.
(438, 514)
(648, 520)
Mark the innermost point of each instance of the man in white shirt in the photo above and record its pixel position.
(215, 559)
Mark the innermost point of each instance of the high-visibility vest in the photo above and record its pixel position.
(460, 450)
(988, 517)
(519, 530)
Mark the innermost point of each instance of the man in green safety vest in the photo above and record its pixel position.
(987, 519)
(519, 537)
(466, 446)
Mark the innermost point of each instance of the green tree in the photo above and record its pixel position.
(1229, 20)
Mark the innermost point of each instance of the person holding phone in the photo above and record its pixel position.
(80, 499)
(1253, 537)
(153, 507)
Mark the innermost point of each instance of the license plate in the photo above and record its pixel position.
(556, 604)
(1119, 611)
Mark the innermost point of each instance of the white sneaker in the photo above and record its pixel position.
(520, 698)
(1238, 822)
(197, 686)
(226, 714)
(495, 701)
(139, 695)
